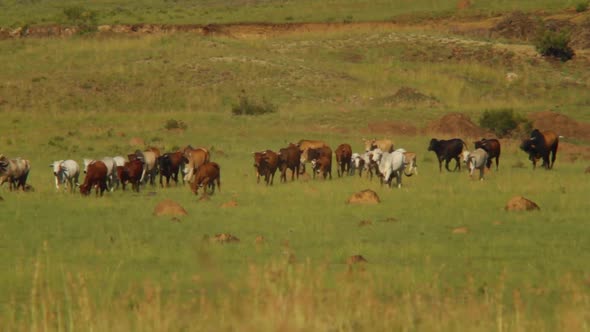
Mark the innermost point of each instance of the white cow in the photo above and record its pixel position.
(150, 167)
(14, 171)
(66, 172)
(390, 165)
(477, 160)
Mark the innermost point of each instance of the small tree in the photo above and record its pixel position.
(555, 44)
(503, 122)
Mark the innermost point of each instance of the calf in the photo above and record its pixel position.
(322, 165)
(170, 164)
(310, 154)
(306, 144)
(477, 159)
(447, 150)
(289, 158)
(206, 176)
(411, 163)
(96, 177)
(131, 172)
(343, 158)
(492, 147)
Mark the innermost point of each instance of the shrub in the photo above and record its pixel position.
(175, 124)
(85, 20)
(504, 122)
(555, 44)
(249, 107)
(582, 6)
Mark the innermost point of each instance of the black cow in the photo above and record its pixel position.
(541, 145)
(492, 147)
(447, 150)
(170, 164)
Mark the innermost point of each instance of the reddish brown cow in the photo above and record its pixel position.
(170, 164)
(266, 164)
(343, 158)
(96, 177)
(206, 176)
(131, 172)
(193, 159)
(492, 147)
(289, 158)
(311, 154)
(323, 166)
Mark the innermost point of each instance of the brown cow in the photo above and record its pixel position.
(310, 154)
(206, 176)
(193, 159)
(96, 176)
(305, 144)
(343, 158)
(266, 163)
(492, 147)
(170, 164)
(322, 165)
(386, 145)
(131, 172)
(541, 145)
(289, 158)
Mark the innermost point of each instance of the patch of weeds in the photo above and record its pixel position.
(73, 133)
(246, 106)
(289, 18)
(84, 19)
(504, 122)
(555, 44)
(175, 124)
(582, 6)
(156, 139)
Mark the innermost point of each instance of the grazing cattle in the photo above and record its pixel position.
(412, 164)
(447, 150)
(170, 164)
(111, 170)
(477, 159)
(119, 161)
(96, 177)
(266, 164)
(306, 144)
(15, 171)
(492, 147)
(206, 176)
(193, 159)
(150, 166)
(384, 145)
(322, 165)
(356, 163)
(66, 172)
(310, 154)
(289, 158)
(391, 164)
(131, 172)
(541, 145)
(343, 158)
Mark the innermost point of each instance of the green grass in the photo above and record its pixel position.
(71, 262)
(43, 12)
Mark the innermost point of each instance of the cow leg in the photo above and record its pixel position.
(161, 183)
(219, 183)
(553, 155)
(440, 160)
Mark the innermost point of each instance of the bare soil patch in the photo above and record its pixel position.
(393, 128)
(560, 124)
(454, 125)
(366, 196)
(169, 208)
(519, 203)
(517, 25)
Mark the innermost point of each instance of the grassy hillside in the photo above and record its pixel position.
(442, 252)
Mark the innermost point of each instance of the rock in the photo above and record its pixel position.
(136, 141)
(519, 203)
(169, 208)
(366, 196)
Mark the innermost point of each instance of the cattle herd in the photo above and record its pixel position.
(379, 159)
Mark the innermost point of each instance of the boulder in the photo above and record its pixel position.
(519, 203)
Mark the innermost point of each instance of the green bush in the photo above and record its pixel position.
(504, 122)
(174, 124)
(582, 6)
(249, 107)
(555, 44)
(85, 20)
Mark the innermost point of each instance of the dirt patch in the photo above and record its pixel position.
(393, 128)
(517, 25)
(260, 240)
(587, 171)
(363, 223)
(457, 125)
(137, 141)
(169, 208)
(231, 203)
(571, 152)
(461, 230)
(409, 97)
(519, 203)
(560, 124)
(366, 196)
(581, 36)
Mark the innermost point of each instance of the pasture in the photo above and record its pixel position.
(442, 252)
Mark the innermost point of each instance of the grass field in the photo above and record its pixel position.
(73, 263)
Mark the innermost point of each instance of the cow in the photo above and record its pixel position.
(541, 145)
(170, 164)
(343, 158)
(131, 172)
(193, 158)
(310, 154)
(266, 164)
(15, 172)
(111, 170)
(119, 161)
(412, 164)
(96, 177)
(289, 158)
(384, 145)
(391, 164)
(150, 166)
(206, 176)
(356, 163)
(322, 165)
(477, 159)
(492, 147)
(305, 144)
(447, 150)
(66, 172)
